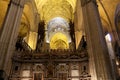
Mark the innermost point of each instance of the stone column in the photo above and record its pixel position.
(9, 33)
(99, 60)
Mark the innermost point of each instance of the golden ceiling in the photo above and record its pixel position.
(49, 9)
(52, 9)
(59, 41)
(107, 10)
(64, 8)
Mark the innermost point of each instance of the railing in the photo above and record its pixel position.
(25, 56)
(51, 52)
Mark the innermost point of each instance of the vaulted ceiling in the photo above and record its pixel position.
(107, 9)
(49, 9)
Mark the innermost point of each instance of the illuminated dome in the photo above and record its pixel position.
(58, 33)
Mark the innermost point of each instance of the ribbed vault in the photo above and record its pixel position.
(49, 9)
(59, 41)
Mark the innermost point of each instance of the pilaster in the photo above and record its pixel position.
(9, 33)
(99, 60)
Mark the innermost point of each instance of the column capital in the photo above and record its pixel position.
(19, 3)
(85, 2)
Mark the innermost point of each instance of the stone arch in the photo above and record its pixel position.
(117, 19)
(29, 24)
